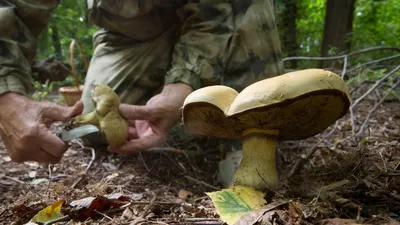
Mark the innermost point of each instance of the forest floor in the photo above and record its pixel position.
(349, 180)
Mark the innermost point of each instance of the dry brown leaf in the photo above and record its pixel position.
(184, 194)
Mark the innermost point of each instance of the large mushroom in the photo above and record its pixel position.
(292, 106)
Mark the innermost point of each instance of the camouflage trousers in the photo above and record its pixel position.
(217, 41)
(136, 66)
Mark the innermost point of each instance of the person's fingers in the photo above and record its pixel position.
(57, 112)
(132, 133)
(51, 143)
(139, 145)
(45, 157)
(135, 112)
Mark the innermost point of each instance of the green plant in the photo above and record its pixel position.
(42, 90)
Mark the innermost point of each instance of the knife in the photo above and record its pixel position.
(67, 135)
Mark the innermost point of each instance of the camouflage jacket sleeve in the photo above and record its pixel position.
(21, 22)
(220, 39)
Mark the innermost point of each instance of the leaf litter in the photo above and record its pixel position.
(348, 180)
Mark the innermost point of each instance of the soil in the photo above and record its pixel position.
(350, 179)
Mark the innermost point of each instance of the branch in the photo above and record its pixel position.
(374, 86)
(146, 210)
(374, 62)
(342, 56)
(377, 105)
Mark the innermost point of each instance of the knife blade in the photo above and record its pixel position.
(67, 135)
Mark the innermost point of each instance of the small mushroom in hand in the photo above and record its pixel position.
(106, 115)
(292, 106)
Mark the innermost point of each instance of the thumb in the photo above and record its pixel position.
(57, 112)
(135, 112)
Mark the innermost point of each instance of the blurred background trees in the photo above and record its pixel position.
(307, 28)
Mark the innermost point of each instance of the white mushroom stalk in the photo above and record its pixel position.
(292, 106)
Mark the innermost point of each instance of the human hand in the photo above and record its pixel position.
(150, 125)
(24, 128)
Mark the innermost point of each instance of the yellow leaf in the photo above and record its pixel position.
(51, 212)
(236, 201)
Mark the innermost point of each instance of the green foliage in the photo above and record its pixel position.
(69, 20)
(42, 90)
(376, 23)
(310, 26)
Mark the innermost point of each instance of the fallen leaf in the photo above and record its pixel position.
(49, 213)
(23, 211)
(234, 202)
(32, 174)
(128, 214)
(82, 203)
(112, 176)
(39, 181)
(255, 216)
(184, 194)
(89, 206)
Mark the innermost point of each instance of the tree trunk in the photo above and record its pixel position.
(56, 40)
(289, 38)
(338, 26)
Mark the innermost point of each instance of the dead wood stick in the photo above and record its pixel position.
(201, 219)
(155, 203)
(374, 62)
(88, 166)
(63, 218)
(344, 66)
(342, 56)
(376, 106)
(300, 162)
(174, 150)
(146, 210)
(201, 182)
(13, 179)
(374, 86)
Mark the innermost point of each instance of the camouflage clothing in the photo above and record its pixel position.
(146, 44)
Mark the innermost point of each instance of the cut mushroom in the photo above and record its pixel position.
(293, 106)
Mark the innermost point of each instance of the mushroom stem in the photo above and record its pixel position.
(258, 168)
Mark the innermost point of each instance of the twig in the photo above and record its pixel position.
(14, 179)
(143, 162)
(353, 124)
(342, 56)
(269, 188)
(175, 150)
(104, 215)
(64, 218)
(300, 162)
(201, 182)
(376, 106)
(88, 166)
(374, 62)
(344, 66)
(145, 211)
(156, 203)
(374, 86)
(196, 219)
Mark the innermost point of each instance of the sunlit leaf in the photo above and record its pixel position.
(236, 201)
(49, 213)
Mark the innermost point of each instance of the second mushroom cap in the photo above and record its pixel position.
(298, 104)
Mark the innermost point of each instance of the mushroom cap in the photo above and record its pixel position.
(104, 98)
(298, 104)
